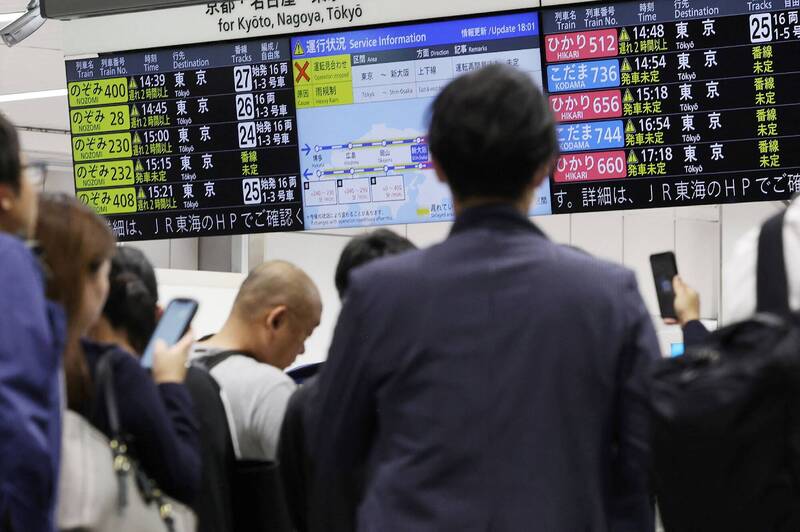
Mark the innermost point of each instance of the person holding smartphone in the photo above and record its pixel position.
(129, 319)
(31, 334)
(156, 411)
(679, 303)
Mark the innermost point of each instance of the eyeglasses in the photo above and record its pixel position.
(35, 174)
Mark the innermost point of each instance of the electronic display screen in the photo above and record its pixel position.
(673, 102)
(278, 134)
(365, 160)
(660, 104)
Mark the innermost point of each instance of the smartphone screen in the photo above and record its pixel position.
(172, 326)
(664, 271)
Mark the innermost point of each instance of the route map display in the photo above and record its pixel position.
(365, 158)
(660, 103)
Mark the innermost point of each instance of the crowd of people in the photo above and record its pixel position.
(496, 381)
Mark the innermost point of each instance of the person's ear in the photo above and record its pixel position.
(277, 317)
(440, 175)
(7, 198)
(544, 171)
(159, 312)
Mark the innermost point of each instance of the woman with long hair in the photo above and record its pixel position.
(156, 412)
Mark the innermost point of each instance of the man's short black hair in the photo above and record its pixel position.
(491, 131)
(10, 163)
(366, 248)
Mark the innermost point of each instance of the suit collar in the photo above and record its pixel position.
(500, 216)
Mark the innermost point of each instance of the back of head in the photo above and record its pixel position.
(133, 296)
(272, 284)
(10, 163)
(75, 243)
(366, 248)
(491, 131)
(276, 310)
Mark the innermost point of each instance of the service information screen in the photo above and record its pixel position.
(362, 99)
(674, 102)
(283, 134)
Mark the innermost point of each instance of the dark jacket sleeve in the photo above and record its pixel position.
(159, 419)
(694, 332)
(632, 508)
(30, 358)
(295, 463)
(340, 423)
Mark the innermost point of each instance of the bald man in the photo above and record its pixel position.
(276, 310)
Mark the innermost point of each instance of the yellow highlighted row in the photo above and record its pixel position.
(98, 92)
(110, 201)
(100, 119)
(105, 174)
(100, 147)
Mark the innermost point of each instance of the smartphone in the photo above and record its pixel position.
(665, 268)
(172, 326)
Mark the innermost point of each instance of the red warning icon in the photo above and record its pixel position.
(302, 72)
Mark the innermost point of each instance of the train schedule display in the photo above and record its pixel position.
(673, 102)
(661, 103)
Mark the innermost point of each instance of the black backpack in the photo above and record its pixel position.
(255, 495)
(726, 417)
(214, 507)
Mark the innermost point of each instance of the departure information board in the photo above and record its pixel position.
(284, 134)
(188, 142)
(674, 102)
(660, 103)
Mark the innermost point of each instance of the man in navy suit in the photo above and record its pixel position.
(496, 381)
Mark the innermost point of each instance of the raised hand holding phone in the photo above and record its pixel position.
(687, 302)
(168, 363)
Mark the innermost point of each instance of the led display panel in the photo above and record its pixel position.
(279, 134)
(659, 104)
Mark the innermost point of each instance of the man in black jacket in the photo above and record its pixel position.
(496, 381)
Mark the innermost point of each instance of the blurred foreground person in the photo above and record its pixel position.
(156, 416)
(726, 434)
(31, 340)
(496, 381)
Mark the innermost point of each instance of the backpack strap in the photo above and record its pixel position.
(206, 364)
(212, 361)
(772, 293)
